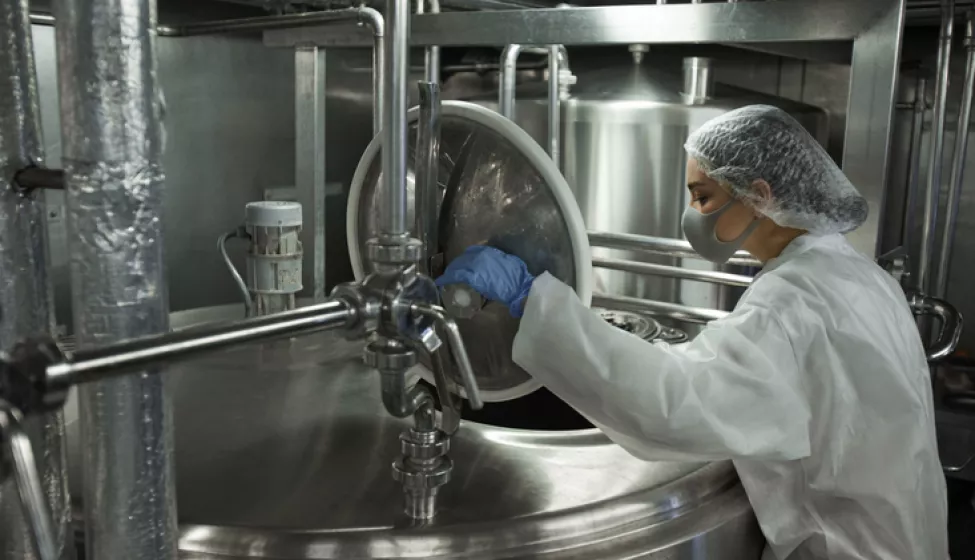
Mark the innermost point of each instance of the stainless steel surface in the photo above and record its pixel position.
(698, 79)
(509, 80)
(426, 190)
(25, 289)
(650, 269)
(113, 137)
(957, 162)
(310, 153)
(393, 221)
(283, 451)
(554, 105)
(653, 308)
(914, 159)
(498, 196)
(19, 456)
(659, 246)
(951, 324)
(634, 323)
(932, 187)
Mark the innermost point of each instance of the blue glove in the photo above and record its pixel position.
(494, 274)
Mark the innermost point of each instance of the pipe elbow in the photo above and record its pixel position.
(372, 18)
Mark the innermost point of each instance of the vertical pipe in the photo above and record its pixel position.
(509, 74)
(25, 292)
(554, 104)
(957, 160)
(392, 224)
(914, 160)
(431, 55)
(374, 20)
(112, 136)
(933, 184)
(426, 191)
(698, 79)
(310, 163)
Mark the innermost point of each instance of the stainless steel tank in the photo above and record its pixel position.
(623, 131)
(283, 451)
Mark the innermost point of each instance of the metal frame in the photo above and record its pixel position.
(875, 28)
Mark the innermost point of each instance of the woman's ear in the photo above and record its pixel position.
(762, 190)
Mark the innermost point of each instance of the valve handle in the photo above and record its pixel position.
(457, 349)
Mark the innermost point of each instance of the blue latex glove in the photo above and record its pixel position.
(494, 274)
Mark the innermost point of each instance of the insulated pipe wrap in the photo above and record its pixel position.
(112, 140)
(25, 295)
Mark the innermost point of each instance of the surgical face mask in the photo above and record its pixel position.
(699, 229)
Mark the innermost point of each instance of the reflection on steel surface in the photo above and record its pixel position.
(283, 451)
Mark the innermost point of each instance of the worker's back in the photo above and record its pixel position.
(872, 486)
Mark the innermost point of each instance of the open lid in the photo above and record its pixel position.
(505, 192)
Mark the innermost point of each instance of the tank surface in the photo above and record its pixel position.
(283, 450)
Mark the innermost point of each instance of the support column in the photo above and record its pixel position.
(112, 137)
(25, 292)
(310, 164)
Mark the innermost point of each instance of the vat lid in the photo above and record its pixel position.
(505, 191)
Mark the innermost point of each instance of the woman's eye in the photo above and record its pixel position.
(702, 200)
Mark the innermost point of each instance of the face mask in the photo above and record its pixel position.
(699, 231)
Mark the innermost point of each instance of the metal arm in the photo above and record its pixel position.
(17, 450)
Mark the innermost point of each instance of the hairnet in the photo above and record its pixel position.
(808, 190)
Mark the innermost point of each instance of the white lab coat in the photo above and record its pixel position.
(816, 386)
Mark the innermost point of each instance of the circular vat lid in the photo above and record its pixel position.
(498, 188)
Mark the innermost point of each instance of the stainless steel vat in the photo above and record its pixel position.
(623, 131)
(283, 451)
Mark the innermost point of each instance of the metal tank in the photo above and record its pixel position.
(623, 131)
(283, 451)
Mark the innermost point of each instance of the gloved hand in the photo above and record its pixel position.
(494, 274)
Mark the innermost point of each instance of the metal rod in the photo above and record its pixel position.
(658, 308)
(659, 246)
(25, 291)
(957, 161)
(392, 223)
(554, 105)
(509, 80)
(649, 269)
(431, 54)
(39, 178)
(255, 24)
(951, 325)
(374, 20)
(32, 500)
(698, 80)
(932, 196)
(112, 138)
(100, 362)
(426, 190)
(914, 159)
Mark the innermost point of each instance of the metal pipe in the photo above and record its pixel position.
(659, 246)
(649, 269)
(261, 23)
(431, 54)
(112, 138)
(933, 187)
(374, 20)
(25, 291)
(914, 159)
(426, 190)
(33, 502)
(554, 105)
(957, 161)
(951, 321)
(658, 308)
(89, 365)
(392, 219)
(698, 80)
(401, 401)
(39, 178)
(509, 73)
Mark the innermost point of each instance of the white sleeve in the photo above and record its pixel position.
(733, 392)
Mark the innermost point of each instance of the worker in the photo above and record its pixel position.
(816, 386)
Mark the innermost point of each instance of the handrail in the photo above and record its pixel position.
(651, 269)
(660, 246)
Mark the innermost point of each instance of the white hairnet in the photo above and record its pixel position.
(808, 190)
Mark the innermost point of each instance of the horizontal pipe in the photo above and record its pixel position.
(39, 178)
(112, 360)
(650, 269)
(658, 308)
(660, 246)
(255, 24)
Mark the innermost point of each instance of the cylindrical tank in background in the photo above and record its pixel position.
(623, 129)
